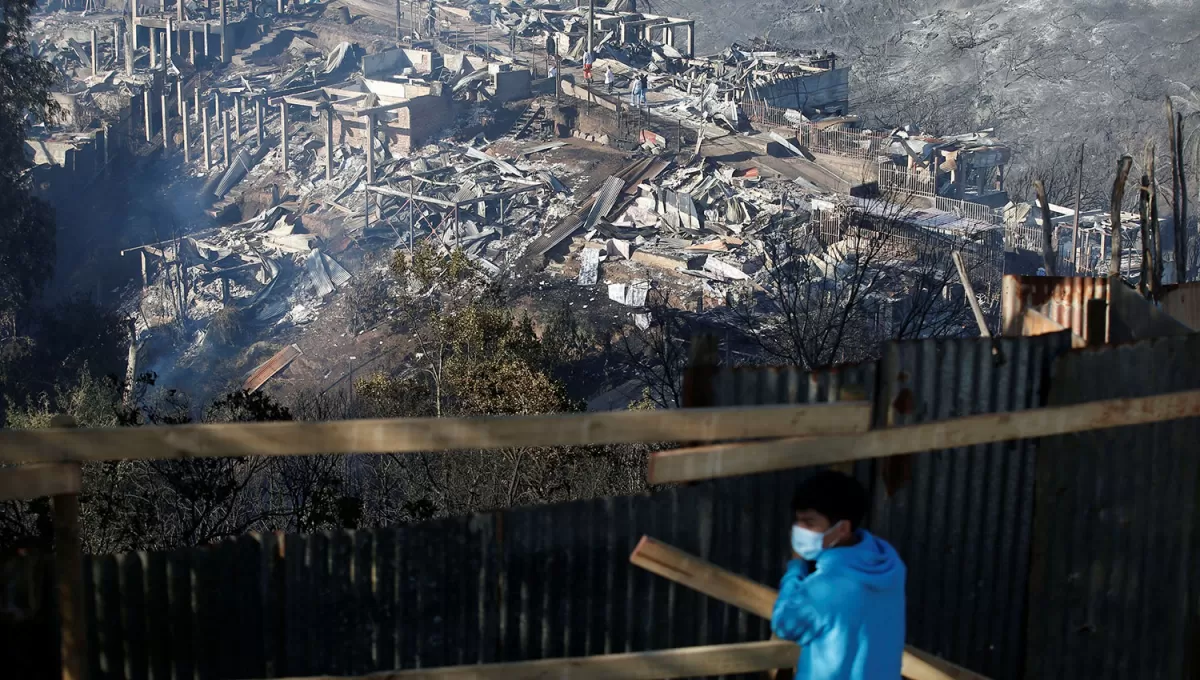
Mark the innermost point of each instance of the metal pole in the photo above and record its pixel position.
(197, 107)
(397, 21)
(591, 25)
(370, 149)
(329, 143)
(207, 144)
(283, 133)
(207, 36)
(116, 43)
(237, 117)
(258, 121)
(1075, 226)
(224, 29)
(181, 104)
(95, 54)
(165, 130)
(146, 109)
(412, 224)
(167, 45)
(183, 120)
(224, 132)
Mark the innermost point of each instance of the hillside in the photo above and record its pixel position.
(1047, 74)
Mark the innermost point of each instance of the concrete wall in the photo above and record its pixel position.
(511, 85)
(403, 129)
(826, 91)
(388, 62)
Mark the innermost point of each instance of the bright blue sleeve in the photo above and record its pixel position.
(795, 617)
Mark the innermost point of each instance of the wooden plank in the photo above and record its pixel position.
(687, 662)
(68, 570)
(26, 482)
(676, 565)
(403, 435)
(267, 370)
(134, 616)
(730, 460)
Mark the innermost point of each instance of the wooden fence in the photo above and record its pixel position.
(154, 613)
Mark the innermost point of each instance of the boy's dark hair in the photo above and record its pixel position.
(833, 494)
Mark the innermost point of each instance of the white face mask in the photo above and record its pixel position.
(808, 543)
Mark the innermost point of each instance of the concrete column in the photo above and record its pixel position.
(691, 39)
(206, 37)
(237, 117)
(279, 7)
(223, 115)
(167, 51)
(164, 6)
(95, 53)
(153, 47)
(181, 17)
(207, 145)
(329, 143)
(226, 48)
(192, 47)
(146, 109)
(187, 138)
(116, 43)
(283, 134)
(133, 8)
(258, 121)
(196, 108)
(181, 101)
(370, 149)
(165, 130)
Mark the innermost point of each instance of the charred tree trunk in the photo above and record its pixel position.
(1049, 256)
(1114, 213)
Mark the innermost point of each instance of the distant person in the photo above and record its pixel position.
(645, 81)
(587, 73)
(635, 92)
(609, 78)
(842, 596)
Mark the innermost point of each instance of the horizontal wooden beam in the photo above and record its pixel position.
(685, 662)
(707, 578)
(404, 435)
(25, 482)
(731, 460)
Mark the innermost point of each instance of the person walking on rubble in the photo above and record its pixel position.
(645, 85)
(609, 78)
(842, 596)
(635, 91)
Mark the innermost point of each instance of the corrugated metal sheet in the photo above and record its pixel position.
(1115, 564)
(1182, 301)
(962, 522)
(528, 583)
(1062, 298)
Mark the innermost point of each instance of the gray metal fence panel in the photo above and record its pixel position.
(1115, 566)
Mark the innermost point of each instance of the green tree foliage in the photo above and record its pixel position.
(27, 243)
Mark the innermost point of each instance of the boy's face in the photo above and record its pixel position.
(815, 521)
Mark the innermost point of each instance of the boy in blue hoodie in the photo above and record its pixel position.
(842, 596)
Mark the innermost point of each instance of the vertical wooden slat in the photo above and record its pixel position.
(108, 617)
(453, 578)
(297, 606)
(158, 621)
(364, 622)
(133, 616)
(340, 635)
(68, 569)
(274, 616)
(488, 600)
(248, 566)
(205, 594)
(91, 615)
(318, 599)
(182, 613)
(384, 596)
(406, 603)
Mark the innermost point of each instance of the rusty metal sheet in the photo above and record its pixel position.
(1061, 298)
(270, 367)
(1182, 301)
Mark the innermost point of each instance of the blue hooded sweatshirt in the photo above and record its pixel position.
(847, 615)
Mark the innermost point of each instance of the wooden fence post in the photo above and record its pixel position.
(68, 572)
